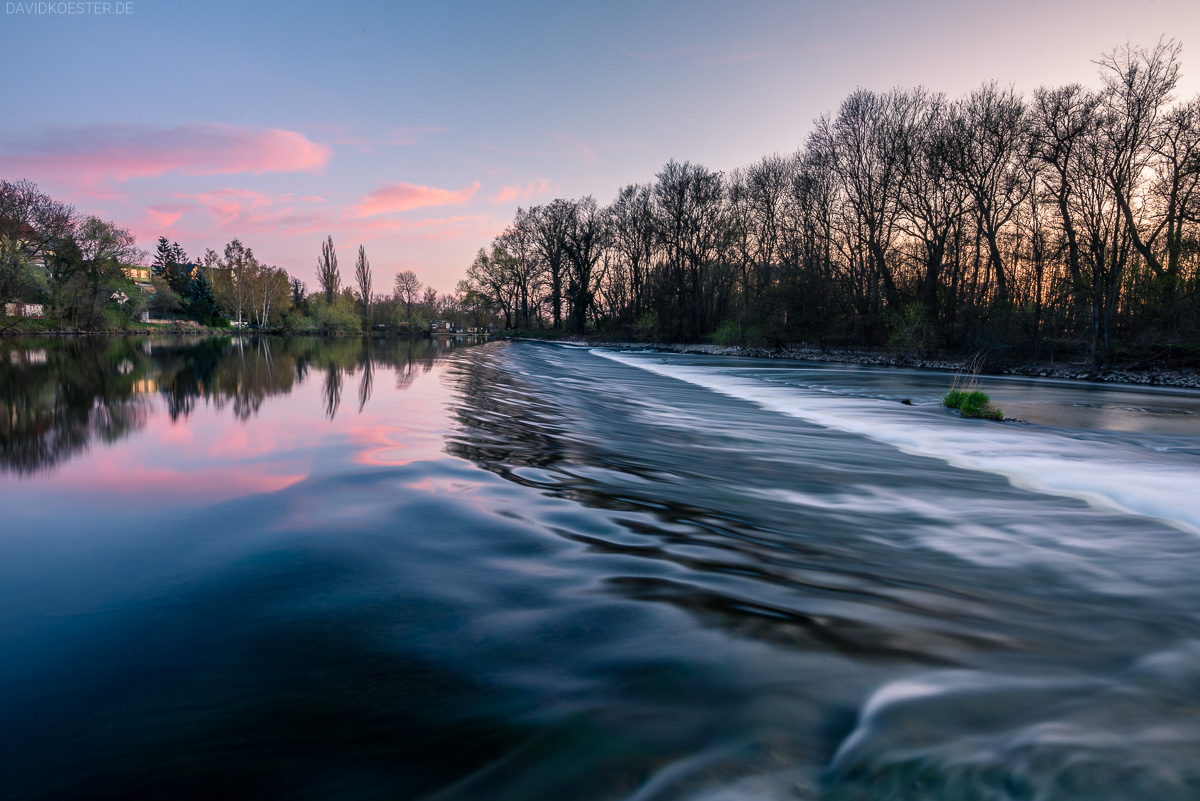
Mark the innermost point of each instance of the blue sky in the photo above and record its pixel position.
(417, 128)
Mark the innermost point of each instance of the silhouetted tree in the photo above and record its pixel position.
(328, 277)
(362, 275)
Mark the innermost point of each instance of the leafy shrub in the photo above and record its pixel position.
(753, 336)
(911, 331)
(733, 333)
(646, 327)
(337, 317)
(295, 321)
(729, 334)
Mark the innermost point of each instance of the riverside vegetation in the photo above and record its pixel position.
(1063, 225)
(90, 275)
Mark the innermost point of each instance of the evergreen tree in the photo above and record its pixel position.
(171, 264)
(162, 258)
(201, 300)
(179, 271)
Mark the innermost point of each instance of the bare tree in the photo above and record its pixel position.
(767, 182)
(692, 220)
(1145, 138)
(991, 141)
(491, 275)
(527, 270)
(328, 276)
(408, 290)
(1061, 121)
(633, 227)
(549, 225)
(585, 238)
(867, 152)
(362, 275)
(931, 203)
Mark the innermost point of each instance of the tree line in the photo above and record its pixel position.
(1068, 219)
(84, 270)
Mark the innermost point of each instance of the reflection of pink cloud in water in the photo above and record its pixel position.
(202, 459)
(377, 446)
(258, 438)
(117, 476)
(175, 434)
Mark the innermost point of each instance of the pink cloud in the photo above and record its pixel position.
(247, 210)
(95, 157)
(161, 218)
(404, 197)
(231, 205)
(435, 228)
(508, 194)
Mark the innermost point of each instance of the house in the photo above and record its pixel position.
(441, 327)
(140, 276)
(18, 309)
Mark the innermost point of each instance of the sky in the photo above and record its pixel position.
(417, 129)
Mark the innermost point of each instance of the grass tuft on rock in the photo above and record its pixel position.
(970, 401)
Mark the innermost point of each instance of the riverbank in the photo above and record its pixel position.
(194, 329)
(1077, 371)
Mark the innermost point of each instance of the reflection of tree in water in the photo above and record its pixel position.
(418, 354)
(60, 394)
(367, 379)
(333, 390)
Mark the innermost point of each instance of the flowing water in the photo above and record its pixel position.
(404, 569)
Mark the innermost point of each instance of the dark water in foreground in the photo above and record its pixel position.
(402, 570)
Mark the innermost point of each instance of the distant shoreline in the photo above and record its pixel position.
(1076, 371)
(197, 331)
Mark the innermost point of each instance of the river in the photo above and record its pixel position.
(410, 569)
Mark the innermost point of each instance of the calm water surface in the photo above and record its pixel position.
(414, 570)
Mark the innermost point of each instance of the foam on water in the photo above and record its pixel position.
(1103, 471)
(974, 734)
